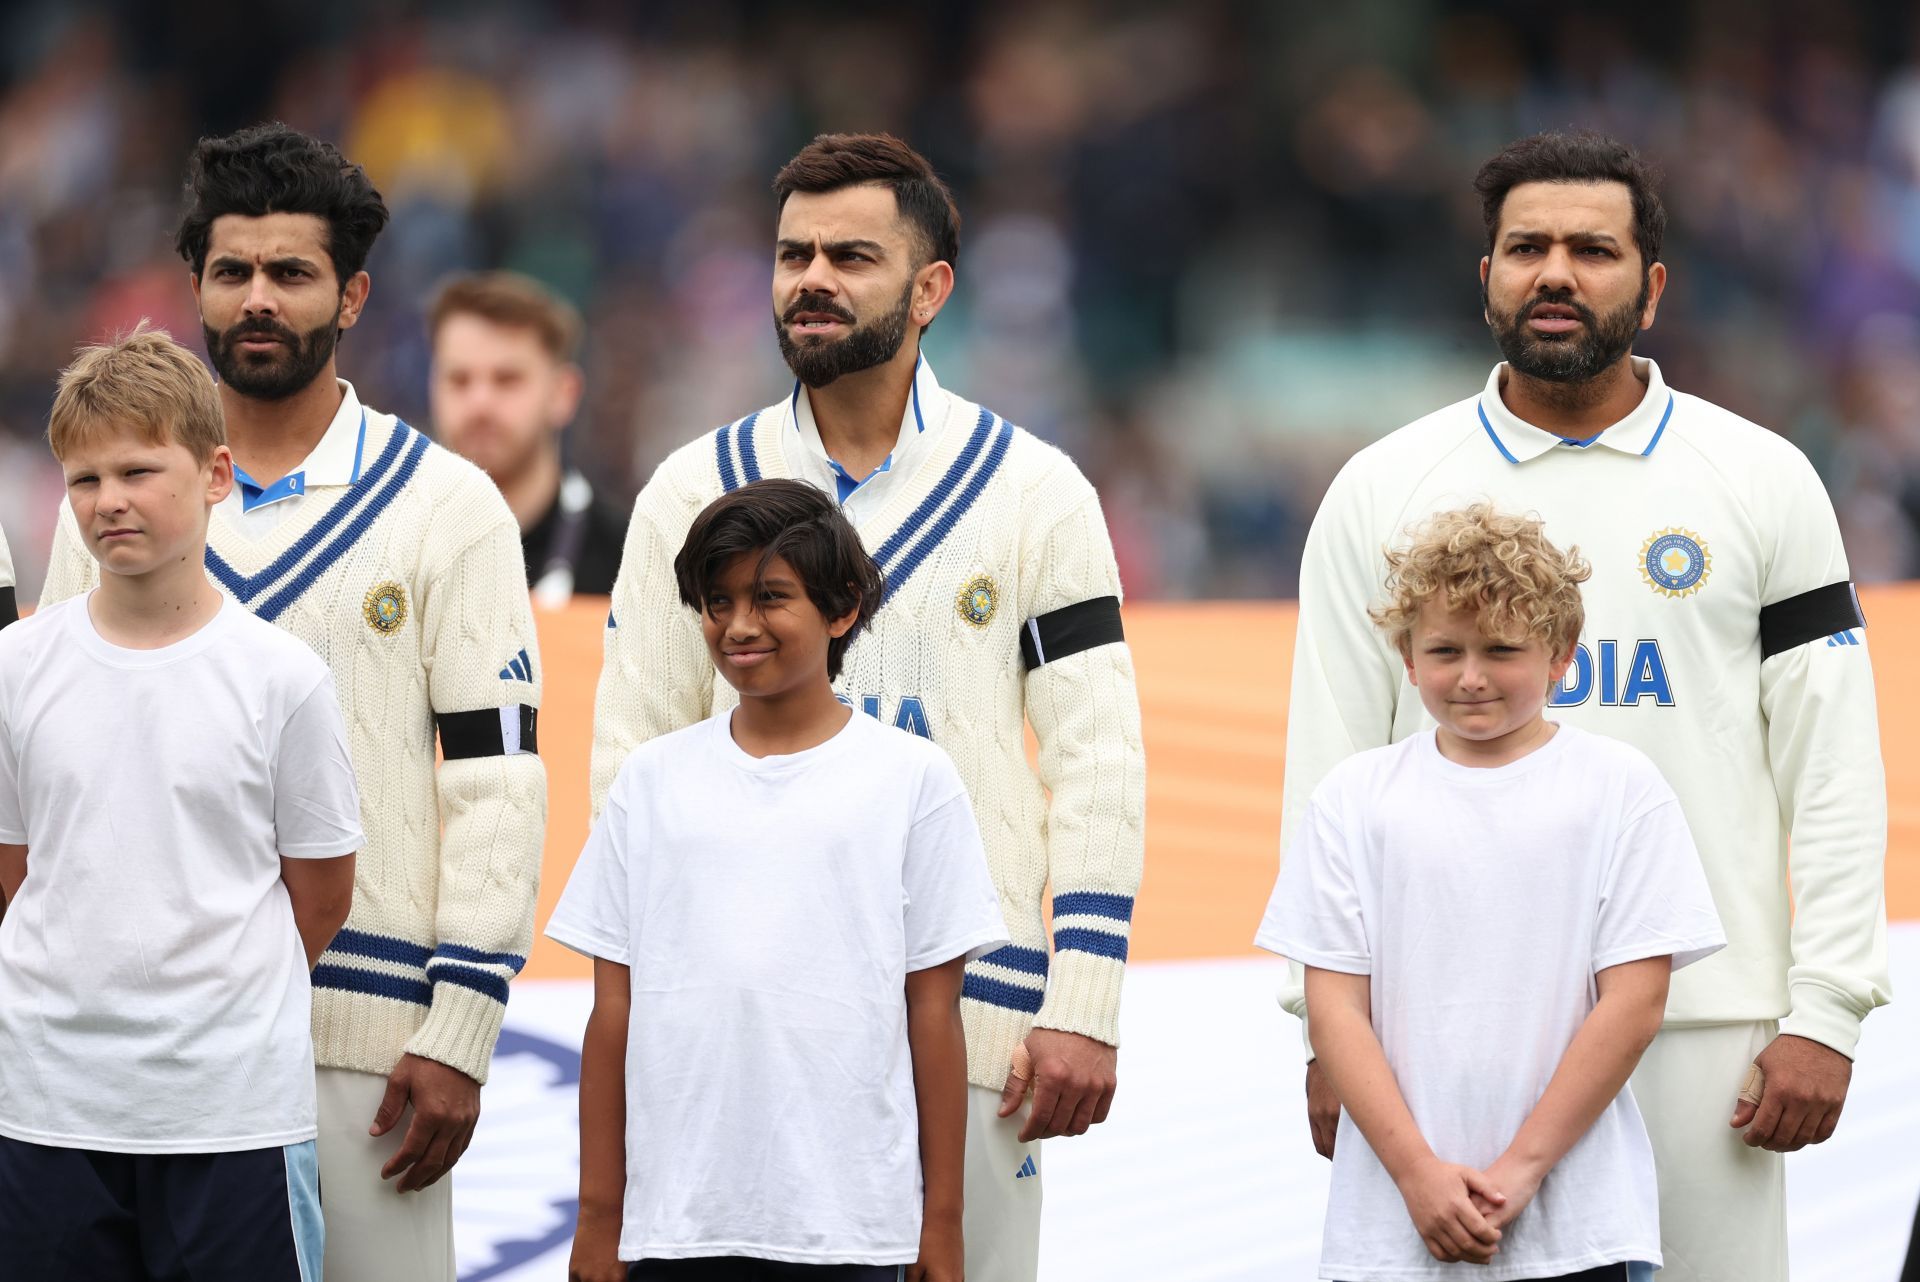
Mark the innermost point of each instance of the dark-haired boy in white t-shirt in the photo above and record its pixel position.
(178, 822)
(1489, 915)
(779, 901)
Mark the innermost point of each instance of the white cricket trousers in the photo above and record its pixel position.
(373, 1233)
(1723, 1206)
(1002, 1224)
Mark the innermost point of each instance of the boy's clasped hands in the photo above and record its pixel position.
(1462, 1213)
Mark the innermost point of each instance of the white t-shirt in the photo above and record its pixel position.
(153, 990)
(1482, 901)
(770, 910)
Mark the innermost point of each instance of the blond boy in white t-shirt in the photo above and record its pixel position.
(178, 824)
(1489, 914)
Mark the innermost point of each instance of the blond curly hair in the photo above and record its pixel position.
(1500, 565)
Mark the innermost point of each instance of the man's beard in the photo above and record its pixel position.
(272, 376)
(818, 361)
(1576, 356)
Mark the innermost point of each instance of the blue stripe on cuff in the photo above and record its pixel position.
(486, 983)
(351, 979)
(1028, 961)
(460, 952)
(996, 993)
(1089, 903)
(387, 948)
(1090, 941)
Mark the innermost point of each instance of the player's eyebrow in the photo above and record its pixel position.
(1526, 236)
(871, 247)
(283, 263)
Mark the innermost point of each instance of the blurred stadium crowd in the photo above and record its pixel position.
(1210, 248)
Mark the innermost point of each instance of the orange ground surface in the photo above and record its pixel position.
(1216, 734)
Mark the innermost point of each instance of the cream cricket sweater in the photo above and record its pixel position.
(979, 528)
(408, 580)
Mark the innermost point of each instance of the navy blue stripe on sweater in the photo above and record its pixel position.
(356, 529)
(937, 532)
(371, 983)
(246, 587)
(1007, 996)
(940, 493)
(749, 455)
(387, 948)
(723, 451)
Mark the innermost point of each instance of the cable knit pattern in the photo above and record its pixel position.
(410, 584)
(989, 502)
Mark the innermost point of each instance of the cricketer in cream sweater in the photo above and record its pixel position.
(1002, 609)
(400, 564)
(1723, 640)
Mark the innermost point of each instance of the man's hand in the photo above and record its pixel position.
(1440, 1198)
(596, 1248)
(1800, 1099)
(446, 1106)
(942, 1251)
(1074, 1078)
(1323, 1109)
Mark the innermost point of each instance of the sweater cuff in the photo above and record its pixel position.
(1821, 1015)
(1083, 996)
(461, 1029)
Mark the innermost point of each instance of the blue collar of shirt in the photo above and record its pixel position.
(844, 482)
(324, 460)
(1519, 441)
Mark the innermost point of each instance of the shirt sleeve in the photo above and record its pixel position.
(13, 819)
(592, 917)
(71, 569)
(1654, 899)
(1314, 915)
(655, 676)
(483, 682)
(1823, 742)
(1085, 713)
(1345, 683)
(952, 907)
(316, 803)
(9, 607)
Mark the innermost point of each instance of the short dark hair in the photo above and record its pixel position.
(1576, 156)
(833, 161)
(273, 169)
(791, 519)
(514, 301)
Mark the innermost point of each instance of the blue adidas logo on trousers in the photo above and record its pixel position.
(1027, 1168)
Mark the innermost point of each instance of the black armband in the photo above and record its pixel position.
(9, 608)
(488, 732)
(1797, 620)
(1069, 630)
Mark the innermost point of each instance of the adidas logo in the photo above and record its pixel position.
(1027, 1168)
(1843, 638)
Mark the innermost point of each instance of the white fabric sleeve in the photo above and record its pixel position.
(9, 607)
(71, 569)
(316, 803)
(1345, 677)
(1314, 915)
(1085, 713)
(952, 908)
(1823, 741)
(1654, 899)
(592, 917)
(6, 562)
(13, 819)
(655, 674)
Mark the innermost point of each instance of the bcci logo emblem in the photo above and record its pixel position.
(1675, 563)
(978, 600)
(385, 607)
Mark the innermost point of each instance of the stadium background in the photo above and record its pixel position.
(1209, 248)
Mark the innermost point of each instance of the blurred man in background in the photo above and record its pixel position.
(1724, 641)
(504, 386)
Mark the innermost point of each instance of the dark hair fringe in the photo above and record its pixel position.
(833, 161)
(791, 519)
(273, 169)
(1573, 156)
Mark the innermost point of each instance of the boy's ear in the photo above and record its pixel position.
(837, 628)
(1558, 668)
(1406, 657)
(219, 470)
